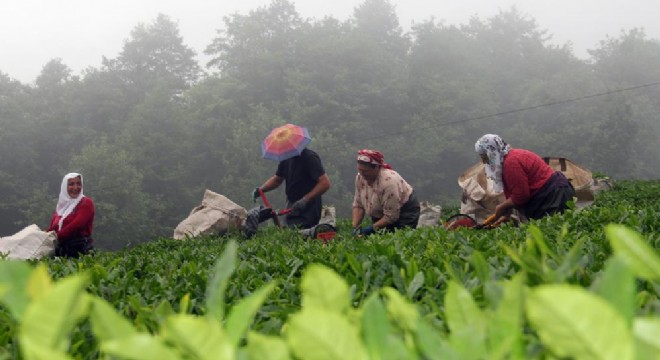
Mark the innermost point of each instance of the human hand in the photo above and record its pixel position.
(298, 206)
(355, 231)
(255, 194)
(498, 212)
(367, 230)
(502, 219)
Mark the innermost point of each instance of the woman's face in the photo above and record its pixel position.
(73, 187)
(368, 172)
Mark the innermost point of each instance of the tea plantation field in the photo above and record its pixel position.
(567, 286)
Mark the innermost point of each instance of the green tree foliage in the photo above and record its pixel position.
(155, 56)
(422, 97)
(631, 60)
(257, 52)
(17, 163)
(614, 138)
(56, 134)
(124, 212)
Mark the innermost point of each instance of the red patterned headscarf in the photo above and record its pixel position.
(373, 157)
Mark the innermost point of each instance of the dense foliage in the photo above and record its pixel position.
(431, 268)
(150, 129)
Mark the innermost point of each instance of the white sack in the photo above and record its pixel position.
(328, 216)
(29, 243)
(429, 214)
(215, 216)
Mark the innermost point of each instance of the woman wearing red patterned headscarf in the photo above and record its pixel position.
(382, 194)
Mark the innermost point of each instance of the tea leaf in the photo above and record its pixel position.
(323, 288)
(215, 291)
(242, 314)
(48, 320)
(266, 347)
(575, 323)
(637, 254)
(14, 276)
(139, 347)
(107, 323)
(617, 285)
(317, 334)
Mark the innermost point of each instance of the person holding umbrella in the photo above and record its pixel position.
(383, 194)
(529, 184)
(302, 171)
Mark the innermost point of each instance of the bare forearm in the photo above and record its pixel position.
(358, 215)
(381, 223)
(504, 208)
(272, 183)
(322, 185)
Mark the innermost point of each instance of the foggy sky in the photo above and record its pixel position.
(80, 32)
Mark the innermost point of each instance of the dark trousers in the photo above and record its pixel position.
(75, 247)
(306, 219)
(408, 216)
(551, 198)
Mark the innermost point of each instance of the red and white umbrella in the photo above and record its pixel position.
(285, 142)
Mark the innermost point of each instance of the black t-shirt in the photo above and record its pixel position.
(301, 174)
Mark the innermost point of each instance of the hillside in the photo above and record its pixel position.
(448, 276)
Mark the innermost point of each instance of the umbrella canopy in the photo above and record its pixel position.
(285, 142)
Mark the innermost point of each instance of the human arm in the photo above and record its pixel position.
(53, 222)
(516, 181)
(322, 185)
(504, 209)
(272, 183)
(381, 223)
(358, 208)
(311, 163)
(358, 215)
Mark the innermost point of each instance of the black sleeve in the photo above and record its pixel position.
(313, 165)
(281, 169)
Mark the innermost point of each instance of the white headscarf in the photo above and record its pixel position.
(66, 203)
(495, 148)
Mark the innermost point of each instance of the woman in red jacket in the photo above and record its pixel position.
(529, 184)
(73, 218)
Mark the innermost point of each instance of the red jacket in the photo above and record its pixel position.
(523, 173)
(78, 223)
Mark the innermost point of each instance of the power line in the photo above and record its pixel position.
(508, 112)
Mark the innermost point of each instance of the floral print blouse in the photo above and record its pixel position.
(384, 197)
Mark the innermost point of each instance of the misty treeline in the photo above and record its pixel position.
(151, 129)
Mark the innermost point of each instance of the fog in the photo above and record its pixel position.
(81, 32)
(122, 97)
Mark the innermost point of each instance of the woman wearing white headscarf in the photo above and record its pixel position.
(529, 184)
(73, 218)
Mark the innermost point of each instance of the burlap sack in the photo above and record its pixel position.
(29, 243)
(602, 184)
(215, 216)
(328, 216)
(478, 198)
(581, 178)
(429, 214)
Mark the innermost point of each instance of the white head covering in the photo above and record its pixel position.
(495, 148)
(66, 203)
